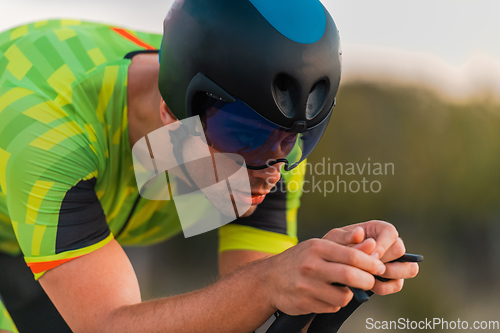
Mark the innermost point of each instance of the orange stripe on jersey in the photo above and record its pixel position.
(124, 33)
(39, 267)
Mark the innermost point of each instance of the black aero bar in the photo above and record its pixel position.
(330, 322)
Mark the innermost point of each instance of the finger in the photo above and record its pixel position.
(346, 275)
(346, 236)
(311, 304)
(386, 288)
(395, 251)
(318, 306)
(367, 246)
(401, 270)
(384, 233)
(333, 295)
(336, 253)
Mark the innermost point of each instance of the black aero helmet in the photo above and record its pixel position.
(278, 58)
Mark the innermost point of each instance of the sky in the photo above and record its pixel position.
(454, 30)
(453, 37)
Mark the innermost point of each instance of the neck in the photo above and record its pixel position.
(143, 96)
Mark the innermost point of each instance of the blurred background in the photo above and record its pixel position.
(421, 90)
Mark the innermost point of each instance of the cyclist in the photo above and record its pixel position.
(76, 96)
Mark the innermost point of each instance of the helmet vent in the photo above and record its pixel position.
(316, 99)
(285, 94)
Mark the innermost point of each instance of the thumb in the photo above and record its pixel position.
(367, 246)
(346, 237)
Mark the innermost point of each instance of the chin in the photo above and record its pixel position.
(250, 211)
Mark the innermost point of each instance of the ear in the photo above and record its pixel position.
(166, 115)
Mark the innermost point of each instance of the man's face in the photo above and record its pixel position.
(261, 183)
(248, 188)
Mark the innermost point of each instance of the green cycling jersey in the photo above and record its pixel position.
(67, 184)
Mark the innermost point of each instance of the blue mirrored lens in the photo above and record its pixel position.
(237, 128)
(243, 131)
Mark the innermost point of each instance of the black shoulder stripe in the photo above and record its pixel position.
(130, 55)
(82, 221)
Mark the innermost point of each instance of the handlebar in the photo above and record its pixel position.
(330, 322)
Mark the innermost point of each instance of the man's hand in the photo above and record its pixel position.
(300, 278)
(380, 240)
(99, 292)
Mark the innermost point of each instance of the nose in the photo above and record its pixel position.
(270, 174)
(283, 144)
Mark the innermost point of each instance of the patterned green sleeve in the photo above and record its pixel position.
(45, 155)
(64, 150)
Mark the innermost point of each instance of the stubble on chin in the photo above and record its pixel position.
(250, 211)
